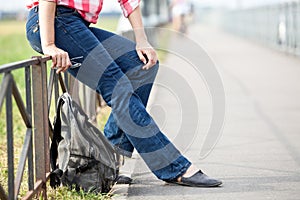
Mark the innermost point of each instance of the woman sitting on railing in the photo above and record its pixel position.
(120, 70)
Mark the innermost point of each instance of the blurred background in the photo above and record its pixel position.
(272, 22)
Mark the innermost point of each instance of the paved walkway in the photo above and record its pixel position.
(258, 155)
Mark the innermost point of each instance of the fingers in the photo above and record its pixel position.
(60, 59)
(54, 63)
(65, 62)
(146, 54)
(141, 56)
(152, 58)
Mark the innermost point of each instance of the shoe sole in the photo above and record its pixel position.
(191, 185)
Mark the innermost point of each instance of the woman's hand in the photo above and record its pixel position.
(146, 54)
(144, 50)
(60, 58)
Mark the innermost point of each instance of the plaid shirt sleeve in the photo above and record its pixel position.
(128, 6)
(33, 3)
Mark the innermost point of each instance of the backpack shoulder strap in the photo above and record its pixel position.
(56, 173)
(56, 135)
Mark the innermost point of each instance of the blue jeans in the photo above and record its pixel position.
(111, 66)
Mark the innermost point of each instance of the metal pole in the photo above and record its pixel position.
(41, 127)
(29, 111)
(46, 116)
(10, 144)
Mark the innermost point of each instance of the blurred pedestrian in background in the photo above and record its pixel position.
(180, 9)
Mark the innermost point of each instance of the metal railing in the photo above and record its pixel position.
(275, 25)
(35, 115)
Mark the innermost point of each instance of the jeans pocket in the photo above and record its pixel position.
(33, 27)
(33, 32)
(32, 20)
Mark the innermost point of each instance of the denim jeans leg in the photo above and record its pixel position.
(160, 155)
(114, 134)
(126, 57)
(117, 137)
(111, 130)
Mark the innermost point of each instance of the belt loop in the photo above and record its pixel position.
(36, 9)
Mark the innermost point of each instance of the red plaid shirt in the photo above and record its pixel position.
(90, 9)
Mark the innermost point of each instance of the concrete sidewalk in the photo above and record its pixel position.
(258, 155)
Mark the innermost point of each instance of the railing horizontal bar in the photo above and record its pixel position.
(45, 59)
(21, 105)
(37, 187)
(22, 161)
(21, 64)
(17, 65)
(4, 86)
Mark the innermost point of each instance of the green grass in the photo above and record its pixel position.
(64, 193)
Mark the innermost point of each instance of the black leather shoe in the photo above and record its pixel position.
(123, 179)
(199, 179)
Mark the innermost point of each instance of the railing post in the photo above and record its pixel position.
(10, 144)
(29, 110)
(41, 126)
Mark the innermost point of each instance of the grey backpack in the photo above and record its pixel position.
(80, 155)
